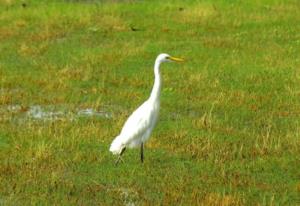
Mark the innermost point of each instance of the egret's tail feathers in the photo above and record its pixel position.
(116, 146)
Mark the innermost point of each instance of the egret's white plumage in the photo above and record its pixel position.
(138, 127)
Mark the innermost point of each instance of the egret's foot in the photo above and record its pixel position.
(119, 158)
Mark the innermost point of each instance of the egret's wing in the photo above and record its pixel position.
(138, 123)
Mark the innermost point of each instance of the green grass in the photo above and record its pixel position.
(229, 127)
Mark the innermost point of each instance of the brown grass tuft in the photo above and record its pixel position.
(216, 199)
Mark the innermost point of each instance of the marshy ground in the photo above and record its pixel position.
(72, 71)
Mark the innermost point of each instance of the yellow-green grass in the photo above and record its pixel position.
(229, 127)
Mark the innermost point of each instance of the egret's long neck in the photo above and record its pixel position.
(157, 83)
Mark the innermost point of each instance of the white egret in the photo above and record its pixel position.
(138, 127)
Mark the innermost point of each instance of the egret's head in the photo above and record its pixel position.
(168, 58)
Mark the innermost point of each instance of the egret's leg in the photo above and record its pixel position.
(119, 158)
(142, 152)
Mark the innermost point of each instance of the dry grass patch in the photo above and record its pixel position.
(216, 199)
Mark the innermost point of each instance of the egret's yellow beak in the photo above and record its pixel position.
(176, 59)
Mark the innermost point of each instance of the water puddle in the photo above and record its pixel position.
(37, 112)
(65, 113)
(50, 113)
(91, 112)
(14, 108)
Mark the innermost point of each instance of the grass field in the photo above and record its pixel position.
(72, 71)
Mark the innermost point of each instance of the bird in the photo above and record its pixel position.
(139, 125)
